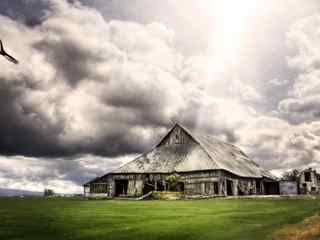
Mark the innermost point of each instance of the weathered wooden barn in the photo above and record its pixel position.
(201, 165)
(309, 182)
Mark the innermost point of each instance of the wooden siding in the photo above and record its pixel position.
(176, 136)
(213, 182)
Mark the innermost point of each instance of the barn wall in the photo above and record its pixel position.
(96, 190)
(135, 184)
(288, 187)
(241, 185)
(247, 187)
(202, 183)
(202, 186)
(214, 182)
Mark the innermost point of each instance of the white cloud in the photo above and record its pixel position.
(304, 39)
(277, 144)
(61, 175)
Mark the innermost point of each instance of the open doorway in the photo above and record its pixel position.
(271, 188)
(121, 187)
(229, 188)
(160, 186)
(180, 187)
(148, 187)
(258, 186)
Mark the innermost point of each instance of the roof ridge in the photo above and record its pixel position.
(191, 133)
(194, 132)
(213, 154)
(131, 161)
(145, 153)
(208, 137)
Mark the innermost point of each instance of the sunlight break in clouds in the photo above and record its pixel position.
(229, 20)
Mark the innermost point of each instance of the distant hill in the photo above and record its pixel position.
(6, 192)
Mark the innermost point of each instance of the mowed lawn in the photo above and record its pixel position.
(61, 219)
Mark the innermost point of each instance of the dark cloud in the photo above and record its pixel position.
(23, 131)
(70, 58)
(30, 12)
(79, 91)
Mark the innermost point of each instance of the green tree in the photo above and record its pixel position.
(173, 181)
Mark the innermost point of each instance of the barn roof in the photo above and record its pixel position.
(95, 180)
(202, 153)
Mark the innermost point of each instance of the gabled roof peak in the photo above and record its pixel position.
(207, 153)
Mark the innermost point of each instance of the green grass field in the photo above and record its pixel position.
(61, 219)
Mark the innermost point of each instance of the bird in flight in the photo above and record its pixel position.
(6, 55)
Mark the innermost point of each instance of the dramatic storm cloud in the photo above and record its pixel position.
(101, 81)
(103, 88)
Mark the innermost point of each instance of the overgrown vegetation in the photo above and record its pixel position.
(308, 229)
(61, 218)
(166, 195)
(173, 182)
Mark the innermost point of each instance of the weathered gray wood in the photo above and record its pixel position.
(206, 166)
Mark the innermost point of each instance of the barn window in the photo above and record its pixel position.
(307, 176)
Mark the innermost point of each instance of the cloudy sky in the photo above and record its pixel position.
(100, 81)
